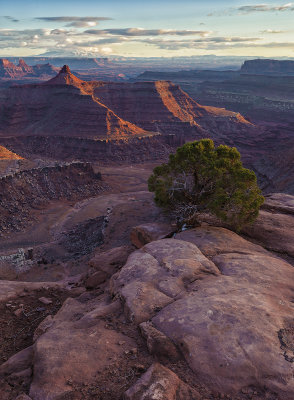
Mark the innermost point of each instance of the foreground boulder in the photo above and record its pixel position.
(279, 202)
(229, 315)
(76, 347)
(19, 362)
(109, 261)
(146, 233)
(156, 275)
(13, 289)
(160, 383)
(274, 227)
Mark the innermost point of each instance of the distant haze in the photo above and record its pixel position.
(153, 28)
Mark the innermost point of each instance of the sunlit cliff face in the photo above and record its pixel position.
(146, 28)
(6, 155)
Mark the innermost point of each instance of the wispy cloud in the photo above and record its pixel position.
(274, 31)
(201, 43)
(9, 18)
(265, 8)
(76, 22)
(254, 8)
(219, 43)
(146, 32)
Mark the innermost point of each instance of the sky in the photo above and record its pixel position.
(153, 28)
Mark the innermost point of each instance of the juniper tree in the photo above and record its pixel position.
(200, 177)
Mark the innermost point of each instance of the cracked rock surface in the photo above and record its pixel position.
(228, 308)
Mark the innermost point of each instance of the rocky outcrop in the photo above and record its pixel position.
(160, 382)
(143, 234)
(24, 191)
(87, 343)
(274, 227)
(171, 265)
(227, 307)
(214, 311)
(108, 262)
(12, 289)
(17, 363)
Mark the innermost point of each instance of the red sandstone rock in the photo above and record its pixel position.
(76, 349)
(96, 279)
(18, 362)
(143, 234)
(160, 383)
(158, 344)
(23, 397)
(230, 316)
(110, 261)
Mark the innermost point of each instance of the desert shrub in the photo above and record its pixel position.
(200, 178)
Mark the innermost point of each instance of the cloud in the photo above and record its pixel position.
(9, 18)
(212, 43)
(272, 31)
(178, 45)
(146, 32)
(265, 8)
(76, 22)
(255, 8)
(82, 24)
(99, 41)
(23, 32)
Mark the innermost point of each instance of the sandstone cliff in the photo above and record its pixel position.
(68, 106)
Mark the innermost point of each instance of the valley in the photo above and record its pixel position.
(103, 296)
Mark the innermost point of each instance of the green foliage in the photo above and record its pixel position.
(200, 177)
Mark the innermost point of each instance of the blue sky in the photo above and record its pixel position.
(146, 28)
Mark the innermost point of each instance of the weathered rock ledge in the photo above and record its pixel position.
(214, 311)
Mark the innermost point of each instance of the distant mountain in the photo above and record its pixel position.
(68, 106)
(268, 67)
(9, 70)
(84, 63)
